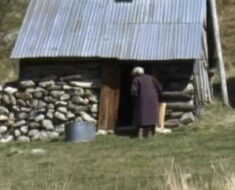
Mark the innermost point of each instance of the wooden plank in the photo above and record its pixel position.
(216, 33)
(162, 114)
(177, 94)
(109, 96)
(187, 106)
(175, 115)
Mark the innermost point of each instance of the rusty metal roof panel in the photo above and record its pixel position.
(134, 29)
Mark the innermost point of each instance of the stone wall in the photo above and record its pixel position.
(39, 110)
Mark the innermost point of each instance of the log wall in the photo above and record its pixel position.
(178, 91)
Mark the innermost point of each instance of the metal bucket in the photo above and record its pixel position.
(80, 132)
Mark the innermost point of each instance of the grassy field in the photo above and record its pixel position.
(198, 157)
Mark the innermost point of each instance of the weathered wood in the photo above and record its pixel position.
(174, 115)
(186, 106)
(177, 95)
(109, 96)
(162, 114)
(71, 77)
(216, 33)
(179, 76)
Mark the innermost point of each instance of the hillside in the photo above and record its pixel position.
(11, 16)
(12, 13)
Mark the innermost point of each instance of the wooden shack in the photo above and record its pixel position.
(102, 41)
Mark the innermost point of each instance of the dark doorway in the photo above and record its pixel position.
(125, 110)
(125, 102)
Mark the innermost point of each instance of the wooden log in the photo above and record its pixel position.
(162, 114)
(175, 115)
(218, 47)
(177, 94)
(179, 76)
(186, 106)
(108, 111)
(71, 77)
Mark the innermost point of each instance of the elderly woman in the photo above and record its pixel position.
(146, 91)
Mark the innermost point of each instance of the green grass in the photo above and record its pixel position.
(204, 151)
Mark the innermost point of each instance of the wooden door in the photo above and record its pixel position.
(109, 99)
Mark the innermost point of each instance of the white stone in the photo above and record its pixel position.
(57, 93)
(38, 94)
(36, 137)
(4, 110)
(47, 84)
(34, 125)
(76, 91)
(78, 119)
(47, 124)
(67, 87)
(30, 90)
(34, 132)
(189, 88)
(60, 116)
(15, 109)
(50, 115)
(44, 135)
(21, 115)
(24, 109)
(89, 84)
(3, 129)
(39, 118)
(87, 117)
(77, 100)
(65, 97)
(19, 123)
(54, 135)
(60, 128)
(3, 118)
(86, 101)
(61, 103)
(11, 116)
(10, 90)
(70, 115)
(62, 110)
(17, 133)
(23, 139)
(51, 106)
(93, 99)
(41, 104)
(24, 129)
(9, 99)
(94, 108)
(6, 139)
(27, 84)
(187, 118)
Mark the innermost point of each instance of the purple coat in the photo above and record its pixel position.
(145, 90)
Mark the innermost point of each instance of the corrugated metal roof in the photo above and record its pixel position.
(137, 30)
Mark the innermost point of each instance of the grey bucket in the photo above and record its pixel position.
(80, 132)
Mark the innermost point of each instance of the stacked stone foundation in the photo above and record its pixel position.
(40, 110)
